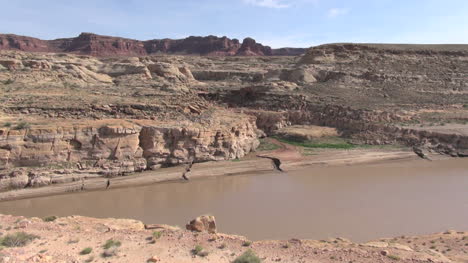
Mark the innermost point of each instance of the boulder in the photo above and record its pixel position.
(15, 180)
(203, 224)
(299, 75)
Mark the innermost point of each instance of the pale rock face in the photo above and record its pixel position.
(299, 75)
(117, 149)
(14, 180)
(37, 69)
(171, 72)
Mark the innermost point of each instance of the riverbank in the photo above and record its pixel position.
(83, 239)
(290, 156)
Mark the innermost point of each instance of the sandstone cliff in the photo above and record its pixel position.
(112, 148)
(107, 46)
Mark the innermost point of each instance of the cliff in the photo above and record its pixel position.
(116, 147)
(106, 46)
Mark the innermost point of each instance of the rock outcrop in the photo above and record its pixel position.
(107, 46)
(202, 224)
(251, 48)
(101, 149)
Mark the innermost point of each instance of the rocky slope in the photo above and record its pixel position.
(111, 116)
(78, 239)
(106, 46)
(117, 116)
(366, 91)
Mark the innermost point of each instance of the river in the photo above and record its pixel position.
(359, 202)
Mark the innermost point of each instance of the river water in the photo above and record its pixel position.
(361, 202)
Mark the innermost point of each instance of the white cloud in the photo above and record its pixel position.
(334, 12)
(268, 3)
(279, 3)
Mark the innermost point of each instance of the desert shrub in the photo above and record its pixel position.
(19, 239)
(157, 234)
(22, 125)
(248, 257)
(8, 81)
(247, 243)
(197, 250)
(203, 254)
(111, 243)
(86, 251)
(393, 257)
(49, 218)
(7, 124)
(112, 251)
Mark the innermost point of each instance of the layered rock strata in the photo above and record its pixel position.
(108, 46)
(100, 149)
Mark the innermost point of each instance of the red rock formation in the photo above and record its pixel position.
(210, 45)
(15, 42)
(251, 48)
(105, 46)
(96, 45)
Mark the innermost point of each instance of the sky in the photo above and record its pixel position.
(277, 23)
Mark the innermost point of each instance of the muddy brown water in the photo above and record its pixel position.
(361, 202)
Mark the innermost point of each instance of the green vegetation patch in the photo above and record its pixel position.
(111, 243)
(22, 126)
(266, 145)
(393, 257)
(157, 234)
(248, 257)
(247, 243)
(19, 239)
(49, 218)
(86, 251)
(197, 250)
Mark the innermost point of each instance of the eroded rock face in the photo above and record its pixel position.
(203, 224)
(107, 46)
(251, 48)
(111, 150)
(425, 68)
(53, 69)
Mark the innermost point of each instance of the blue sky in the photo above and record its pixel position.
(278, 23)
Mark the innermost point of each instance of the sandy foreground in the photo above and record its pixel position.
(62, 240)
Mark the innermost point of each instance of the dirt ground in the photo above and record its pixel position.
(64, 239)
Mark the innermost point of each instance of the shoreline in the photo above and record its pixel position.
(64, 238)
(248, 165)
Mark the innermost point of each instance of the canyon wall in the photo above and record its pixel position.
(106, 46)
(63, 153)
